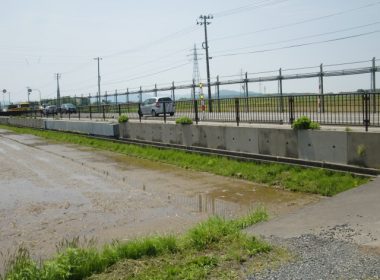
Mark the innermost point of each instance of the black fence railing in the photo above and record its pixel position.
(347, 109)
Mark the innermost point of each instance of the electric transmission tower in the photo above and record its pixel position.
(196, 73)
(99, 78)
(58, 76)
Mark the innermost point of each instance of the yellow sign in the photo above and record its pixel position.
(200, 85)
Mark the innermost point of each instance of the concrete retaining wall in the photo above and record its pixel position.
(25, 122)
(92, 128)
(354, 148)
(4, 120)
(84, 127)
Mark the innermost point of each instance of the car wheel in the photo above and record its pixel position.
(172, 114)
(154, 114)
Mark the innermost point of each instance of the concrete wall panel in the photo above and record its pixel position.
(242, 139)
(211, 136)
(93, 128)
(4, 120)
(364, 149)
(27, 122)
(329, 146)
(278, 142)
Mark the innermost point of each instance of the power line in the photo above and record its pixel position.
(149, 75)
(137, 77)
(153, 60)
(304, 37)
(258, 4)
(346, 63)
(107, 82)
(297, 23)
(299, 45)
(161, 40)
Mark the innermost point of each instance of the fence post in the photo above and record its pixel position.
(246, 92)
(280, 90)
(139, 112)
(193, 87)
(291, 109)
(173, 92)
(373, 84)
(164, 103)
(217, 92)
(196, 111)
(116, 96)
(79, 113)
(127, 95)
(155, 90)
(366, 119)
(90, 113)
(321, 90)
(119, 109)
(140, 93)
(104, 113)
(237, 110)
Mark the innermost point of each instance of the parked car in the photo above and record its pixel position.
(68, 108)
(50, 110)
(155, 106)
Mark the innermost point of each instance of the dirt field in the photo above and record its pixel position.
(51, 192)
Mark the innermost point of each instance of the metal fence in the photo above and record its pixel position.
(347, 109)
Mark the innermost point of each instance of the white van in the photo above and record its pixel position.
(155, 106)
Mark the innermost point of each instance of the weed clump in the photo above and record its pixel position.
(184, 120)
(123, 118)
(305, 123)
(74, 263)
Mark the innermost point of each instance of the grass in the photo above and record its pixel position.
(215, 249)
(294, 178)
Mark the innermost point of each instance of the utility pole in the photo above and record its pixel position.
(204, 22)
(98, 97)
(29, 90)
(58, 76)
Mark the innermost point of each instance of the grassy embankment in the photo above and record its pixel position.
(214, 249)
(310, 180)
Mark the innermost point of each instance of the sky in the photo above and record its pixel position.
(146, 42)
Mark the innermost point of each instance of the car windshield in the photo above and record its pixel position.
(165, 99)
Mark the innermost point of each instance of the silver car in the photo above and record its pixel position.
(50, 110)
(155, 106)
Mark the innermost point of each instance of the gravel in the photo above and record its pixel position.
(324, 256)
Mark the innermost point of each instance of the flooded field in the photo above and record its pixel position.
(51, 192)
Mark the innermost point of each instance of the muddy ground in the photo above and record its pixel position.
(50, 192)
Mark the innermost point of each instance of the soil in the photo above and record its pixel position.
(53, 192)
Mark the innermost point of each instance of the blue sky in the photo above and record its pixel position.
(141, 40)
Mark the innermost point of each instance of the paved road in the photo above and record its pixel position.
(337, 238)
(357, 210)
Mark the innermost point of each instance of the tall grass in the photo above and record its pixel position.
(294, 178)
(74, 262)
